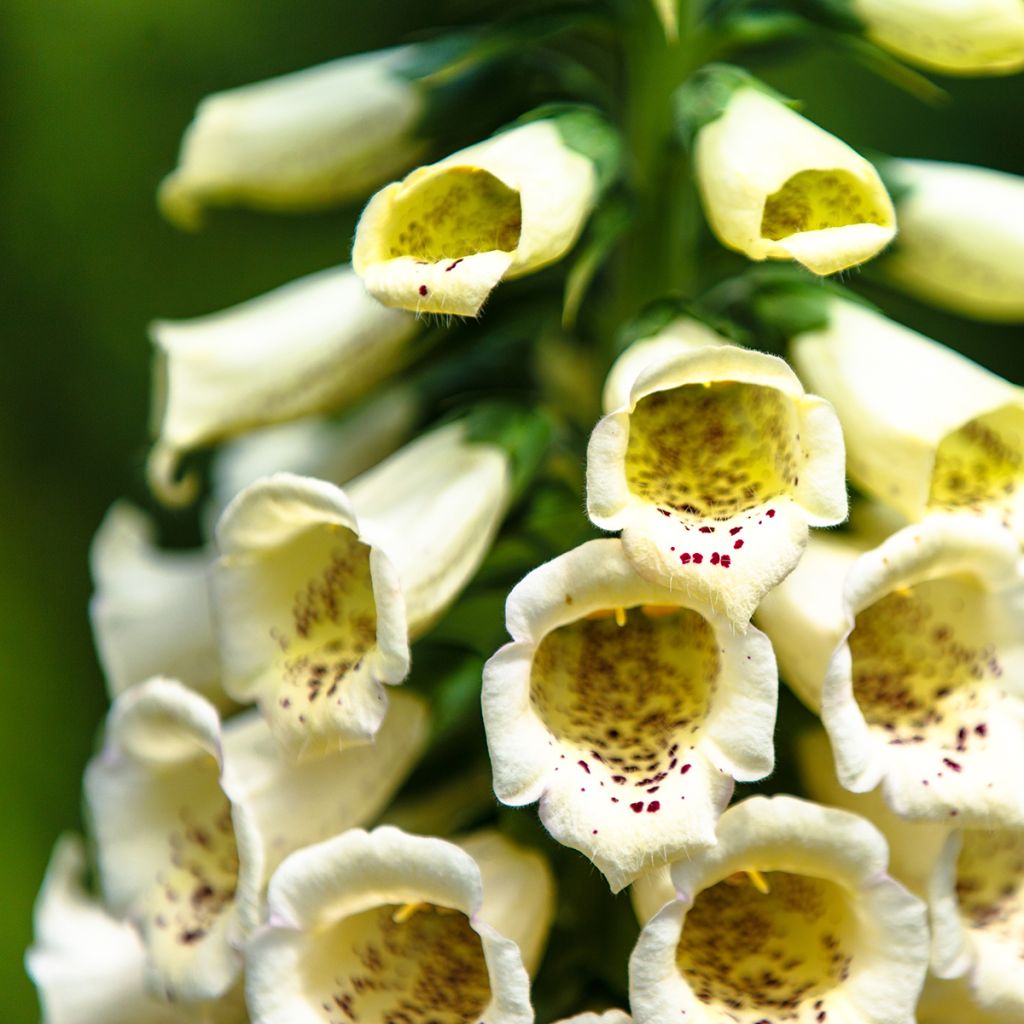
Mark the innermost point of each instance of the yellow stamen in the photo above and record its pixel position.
(620, 617)
(751, 875)
(404, 912)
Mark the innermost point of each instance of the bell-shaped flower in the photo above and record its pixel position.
(313, 344)
(88, 966)
(150, 611)
(791, 916)
(926, 429)
(714, 467)
(626, 708)
(441, 239)
(976, 900)
(318, 591)
(191, 819)
(389, 926)
(966, 37)
(776, 186)
(301, 141)
(961, 243)
(922, 691)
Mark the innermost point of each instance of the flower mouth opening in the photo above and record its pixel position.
(990, 884)
(755, 945)
(630, 698)
(452, 214)
(923, 656)
(980, 464)
(815, 200)
(417, 963)
(713, 451)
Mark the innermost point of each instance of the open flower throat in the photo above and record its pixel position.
(713, 451)
(764, 957)
(413, 963)
(990, 885)
(630, 696)
(815, 200)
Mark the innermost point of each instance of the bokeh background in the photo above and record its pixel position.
(95, 96)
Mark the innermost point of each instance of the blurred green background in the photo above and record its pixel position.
(95, 98)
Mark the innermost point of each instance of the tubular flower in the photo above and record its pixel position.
(713, 468)
(150, 612)
(626, 709)
(190, 821)
(316, 343)
(440, 240)
(774, 185)
(977, 913)
(932, 432)
(968, 37)
(318, 590)
(89, 967)
(385, 925)
(301, 141)
(790, 916)
(961, 242)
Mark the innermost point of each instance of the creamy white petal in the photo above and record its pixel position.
(776, 186)
(174, 855)
(791, 912)
(150, 611)
(629, 734)
(965, 37)
(714, 469)
(926, 429)
(924, 693)
(952, 1002)
(304, 140)
(315, 343)
(373, 923)
(961, 243)
(441, 239)
(608, 1017)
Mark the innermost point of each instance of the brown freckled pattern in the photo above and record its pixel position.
(627, 695)
(926, 668)
(814, 200)
(990, 885)
(980, 466)
(424, 968)
(712, 452)
(750, 956)
(454, 214)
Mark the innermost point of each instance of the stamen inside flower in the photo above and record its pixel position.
(773, 951)
(627, 696)
(452, 214)
(981, 464)
(386, 964)
(990, 884)
(814, 200)
(925, 658)
(713, 451)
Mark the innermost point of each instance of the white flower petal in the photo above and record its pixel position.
(441, 239)
(313, 344)
(301, 141)
(608, 1017)
(776, 186)
(630, 735)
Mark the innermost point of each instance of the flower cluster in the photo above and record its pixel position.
(383, 479)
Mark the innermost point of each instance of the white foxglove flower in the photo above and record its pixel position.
(790, 916)
(627, 709)
(191, 819)
(440, 240)
(88, 966)
(150, 611)
(714, 468)
(926, 429)
(387, 926)
(318, 590)
(961, 243)
(954, 37)
(302, 141)
(977, 911)
(313, 344)
(776, 186)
